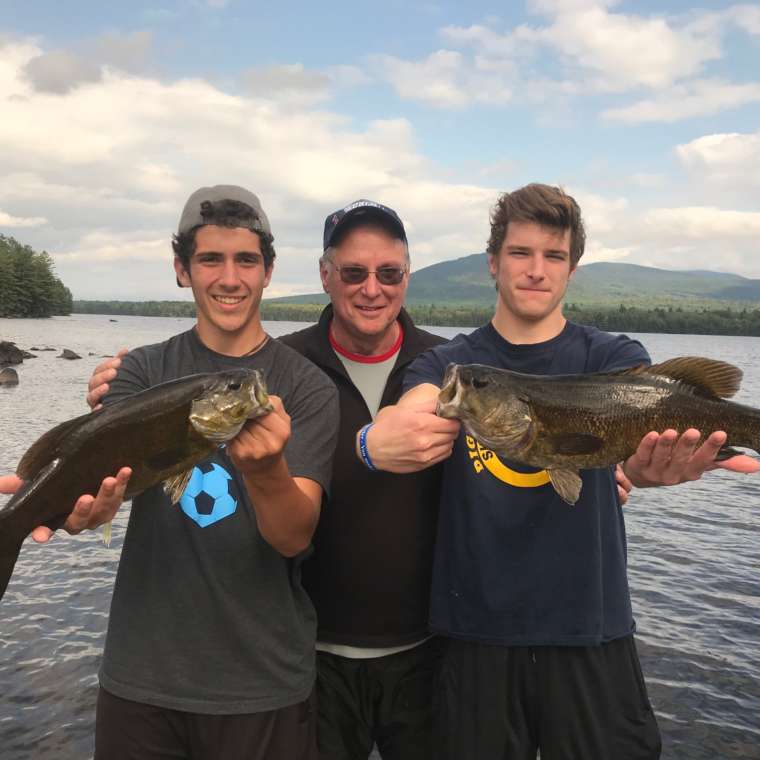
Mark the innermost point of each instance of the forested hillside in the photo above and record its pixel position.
(28, 285)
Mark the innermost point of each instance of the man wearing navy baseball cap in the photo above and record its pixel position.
(369, 576)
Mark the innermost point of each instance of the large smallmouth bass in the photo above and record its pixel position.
(565, 423)
(161, 433)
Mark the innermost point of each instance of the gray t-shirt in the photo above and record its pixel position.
(206, 616)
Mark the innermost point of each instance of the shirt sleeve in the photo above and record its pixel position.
(619, 352)
(131, 378)
(314, 417)
(428, 367)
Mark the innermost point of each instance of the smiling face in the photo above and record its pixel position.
(532, 271)
(227, 276)
(365, 314)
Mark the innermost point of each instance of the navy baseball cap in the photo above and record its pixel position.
(342, 219)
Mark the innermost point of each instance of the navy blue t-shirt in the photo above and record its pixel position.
(515, 564)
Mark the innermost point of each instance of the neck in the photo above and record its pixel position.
(366, 345)
(239, 343)
(518, 330)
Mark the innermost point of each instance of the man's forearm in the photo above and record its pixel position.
(287, 508)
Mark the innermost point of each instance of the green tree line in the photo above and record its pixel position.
(28, 285)
(703, 321)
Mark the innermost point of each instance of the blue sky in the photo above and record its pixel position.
(114, 113)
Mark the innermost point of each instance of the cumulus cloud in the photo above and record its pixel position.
(582, 48)
(60, 71)
(110, 165)
(128, 52)
(8, 220)
(704, 222)
(697, 98)
(447, 79)
(731, 158)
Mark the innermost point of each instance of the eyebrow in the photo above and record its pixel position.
(236, 253)
(528, 249)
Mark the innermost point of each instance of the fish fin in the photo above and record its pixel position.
(107, 533)
(8, 556)
(711, 377)
(576, 443)
(45, 448)
(175, 486)
(567, 483)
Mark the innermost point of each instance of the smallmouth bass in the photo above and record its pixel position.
(161, 433)
(565, 423)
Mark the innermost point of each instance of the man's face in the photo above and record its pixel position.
(369, 309)
(532, 270)
(227, 277)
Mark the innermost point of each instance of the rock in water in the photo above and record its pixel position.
(8, 376)
(67, 353)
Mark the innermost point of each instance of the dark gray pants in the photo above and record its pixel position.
(126, 730)
(383, 700)
(572, 703)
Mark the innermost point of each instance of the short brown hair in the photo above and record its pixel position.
(545, 205)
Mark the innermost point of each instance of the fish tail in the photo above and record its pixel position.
(8, 556)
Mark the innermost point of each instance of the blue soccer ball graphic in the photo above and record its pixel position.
(207, 499)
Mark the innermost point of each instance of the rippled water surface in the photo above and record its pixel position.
(694, 558)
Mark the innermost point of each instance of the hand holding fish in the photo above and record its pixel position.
(89, 511)
(667, 459)
(261, 441)
(287, 508)
(97, 386)
(623, 483)
(410, 436)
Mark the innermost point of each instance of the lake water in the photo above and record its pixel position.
(694, 557)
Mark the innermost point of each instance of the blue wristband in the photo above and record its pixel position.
(363, 446)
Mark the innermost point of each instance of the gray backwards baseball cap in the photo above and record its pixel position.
(197, 208)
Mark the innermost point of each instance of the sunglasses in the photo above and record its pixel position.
(353, 275)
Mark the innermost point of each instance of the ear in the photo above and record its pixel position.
(183, 276)
(268, 275)
(493, 265)
(324, 275)
(573, 270)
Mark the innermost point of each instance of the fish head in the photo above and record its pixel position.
(230, 398)
(488, 402)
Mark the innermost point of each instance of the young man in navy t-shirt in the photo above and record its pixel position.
(532, 593)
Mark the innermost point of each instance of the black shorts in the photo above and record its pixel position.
(126, 730)
(572, 703)
(383, 700)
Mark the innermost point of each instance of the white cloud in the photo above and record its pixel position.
(584, 48)
(697, 98)
(446, 79)
(288, 82)
(128, 52)
(109, 166)
(746, 17)
(8, 220)
(704, 222)
(732, 159)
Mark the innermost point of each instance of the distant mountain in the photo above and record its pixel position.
(466, 282)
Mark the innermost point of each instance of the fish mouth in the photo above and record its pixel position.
(450, 395)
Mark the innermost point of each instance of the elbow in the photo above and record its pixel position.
(290, 545)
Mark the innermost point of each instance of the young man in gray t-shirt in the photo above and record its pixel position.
(210, 644)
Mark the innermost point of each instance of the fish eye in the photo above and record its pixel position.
(234, 386)
(476, 383)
